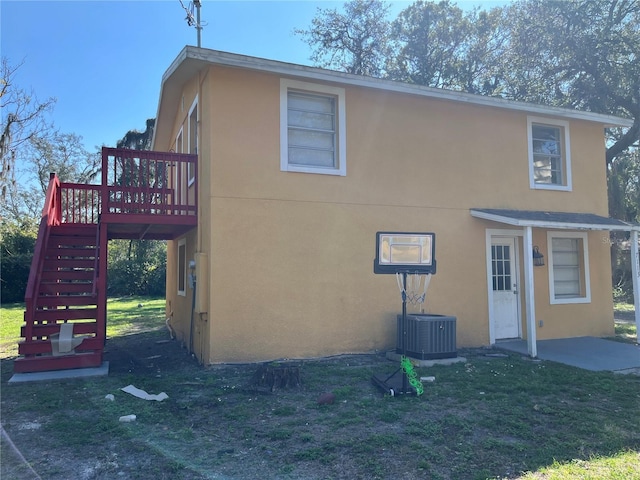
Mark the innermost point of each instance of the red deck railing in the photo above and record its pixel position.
(138, 182)
(80, 203)
(51, 215)
(133, 183)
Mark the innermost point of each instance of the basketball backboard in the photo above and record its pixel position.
(405, 252)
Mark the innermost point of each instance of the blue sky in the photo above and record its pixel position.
(103, 60)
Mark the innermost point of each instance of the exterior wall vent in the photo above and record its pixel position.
(428, 336)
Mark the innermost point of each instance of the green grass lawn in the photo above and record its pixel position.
(620, 466)
(134, 314)
(11, 319)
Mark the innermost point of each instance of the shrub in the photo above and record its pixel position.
(17, 242)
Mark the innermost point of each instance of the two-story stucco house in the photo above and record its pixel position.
(299, 167)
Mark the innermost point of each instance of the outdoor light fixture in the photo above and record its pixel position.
(538, 258)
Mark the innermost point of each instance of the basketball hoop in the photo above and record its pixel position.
(411, 256)
(413, 287)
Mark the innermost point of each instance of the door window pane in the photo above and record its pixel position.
(501, 267)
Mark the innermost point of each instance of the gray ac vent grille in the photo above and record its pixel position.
(427, 336)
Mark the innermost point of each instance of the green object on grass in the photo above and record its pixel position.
(407, 368)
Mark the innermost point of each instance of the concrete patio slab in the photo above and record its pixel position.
(589, 353)
(60, 374)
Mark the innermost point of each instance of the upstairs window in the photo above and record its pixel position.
(312, 128)
(549, 154)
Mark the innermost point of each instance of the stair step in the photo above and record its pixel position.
(66, 263)
(62, 314)
(65, 288)
(66, 301)
(38, 347)
(67, 241)
(48, 362)
(65, 294)
(74, 230)
(68, 275)
(73, 252)
(46, 329)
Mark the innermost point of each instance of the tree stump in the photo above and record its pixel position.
(273, 376)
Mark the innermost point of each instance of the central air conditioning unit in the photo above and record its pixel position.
(427, 336)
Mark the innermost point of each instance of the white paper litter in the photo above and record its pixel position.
(136, 392)
(64, 342)
(109, 397)
(127, 418)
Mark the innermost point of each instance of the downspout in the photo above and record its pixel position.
(529, 293)
(198, 199)
(198, 249)
(193, 308)
(199, 161)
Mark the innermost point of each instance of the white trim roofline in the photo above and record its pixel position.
(578, 223)
(193, 59)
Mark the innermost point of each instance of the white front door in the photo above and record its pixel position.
(505, 293)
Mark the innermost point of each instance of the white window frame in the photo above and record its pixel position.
(181, 242)
(194, 106)
(182, 174)
(287, 85)
(566, 154)
(585, 262)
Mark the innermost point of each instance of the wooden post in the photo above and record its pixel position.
(529, 293)
(635, 274)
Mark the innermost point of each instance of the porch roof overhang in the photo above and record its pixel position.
(560, 220)
(530, 219)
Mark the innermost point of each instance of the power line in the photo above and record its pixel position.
(194, 21)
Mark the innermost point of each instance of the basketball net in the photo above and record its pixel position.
(415, 290)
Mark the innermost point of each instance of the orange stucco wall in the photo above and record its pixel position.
(289, 255)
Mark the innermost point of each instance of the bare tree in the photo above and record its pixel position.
(22, 120)
(62, 153)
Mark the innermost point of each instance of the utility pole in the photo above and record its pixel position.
(198, 4)
(194, 22)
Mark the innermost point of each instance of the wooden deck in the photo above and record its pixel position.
(143, 195)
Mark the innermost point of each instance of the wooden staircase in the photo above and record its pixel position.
(70, 291)
(143, 195)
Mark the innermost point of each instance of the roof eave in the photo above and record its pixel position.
(519, 222)
(190, 59)
(318, 74)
